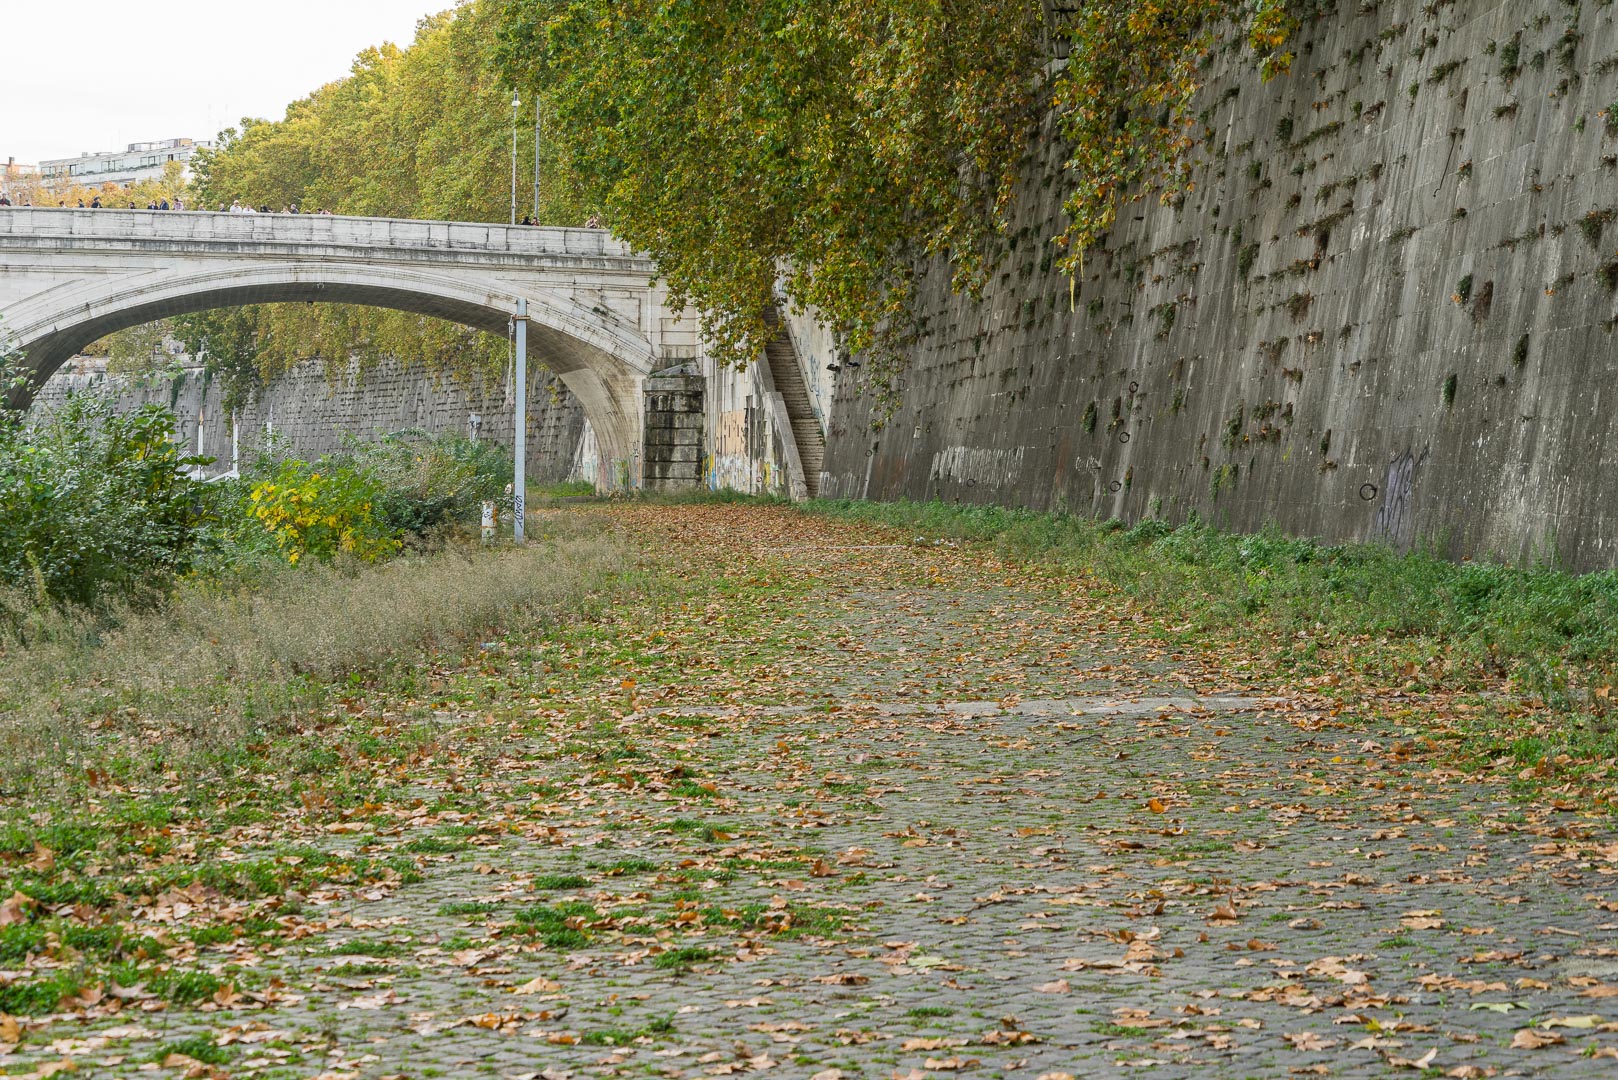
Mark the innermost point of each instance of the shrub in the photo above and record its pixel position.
(96, 506)
(322, 509)
(429, 481)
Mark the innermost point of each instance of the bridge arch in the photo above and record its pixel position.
(601, 362)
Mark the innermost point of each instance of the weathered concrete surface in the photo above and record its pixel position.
(1385, 313)
(316, 413)
(69, 277)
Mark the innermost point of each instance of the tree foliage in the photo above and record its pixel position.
(1124, 99)
(737, 140)
(417, 132)
(826, 146)
(97, 506)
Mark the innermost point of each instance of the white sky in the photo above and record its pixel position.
(99, 74)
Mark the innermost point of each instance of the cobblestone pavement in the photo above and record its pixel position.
(876, 809)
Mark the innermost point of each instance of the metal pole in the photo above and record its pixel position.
(515, 102)
(536, 162)
(519, 483)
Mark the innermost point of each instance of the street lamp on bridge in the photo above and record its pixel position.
(516, 103)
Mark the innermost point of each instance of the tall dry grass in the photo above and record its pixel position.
(216, 666)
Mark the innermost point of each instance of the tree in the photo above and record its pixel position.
(417, 132)
(827, 145)
(824, 143)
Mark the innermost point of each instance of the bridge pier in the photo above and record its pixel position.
(675, 404)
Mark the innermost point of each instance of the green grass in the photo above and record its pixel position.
(363, 947)
(199, 1047)
(550, 923)
(683, 959)
(470, 907)
(625, 1036)
(557, 882)
(631, 865)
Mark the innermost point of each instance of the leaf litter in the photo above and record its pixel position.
(868, 791)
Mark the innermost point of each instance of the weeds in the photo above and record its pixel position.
(219, 668)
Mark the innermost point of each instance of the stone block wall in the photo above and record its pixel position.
(315, 413)
(674, 428)
(1386, 312)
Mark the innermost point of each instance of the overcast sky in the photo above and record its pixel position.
(97, 74)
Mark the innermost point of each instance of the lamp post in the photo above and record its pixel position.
(536, 161)
(519, 448)
(516, 103)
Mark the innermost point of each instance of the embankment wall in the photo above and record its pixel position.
(1386, 312)
(313, 413)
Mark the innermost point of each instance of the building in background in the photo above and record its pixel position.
(141, 161)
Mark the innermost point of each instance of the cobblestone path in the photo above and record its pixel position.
(868, 807)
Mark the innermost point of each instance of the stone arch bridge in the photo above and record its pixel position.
(597, 316)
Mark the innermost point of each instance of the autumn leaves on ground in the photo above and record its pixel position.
(792, 795)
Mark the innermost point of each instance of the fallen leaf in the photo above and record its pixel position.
(1529, 1039)
(538, 985)
(1423, 1062)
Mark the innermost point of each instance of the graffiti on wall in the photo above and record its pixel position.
(1396, 516)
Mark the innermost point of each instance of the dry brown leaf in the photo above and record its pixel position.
(1529, 1039)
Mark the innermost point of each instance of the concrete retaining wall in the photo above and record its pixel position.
(1385, 313)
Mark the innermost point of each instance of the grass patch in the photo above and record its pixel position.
(222, 665)
(624, 1036)
(560, 881)
(470, 907)
(434, 845)
(682, 959)
(198, 1047)
(631, 865)
(560, 926)
(362, 947)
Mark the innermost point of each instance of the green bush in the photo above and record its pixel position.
(96, 506)
(427, 482)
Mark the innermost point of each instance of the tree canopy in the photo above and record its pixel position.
(824, 146)
(817, 149)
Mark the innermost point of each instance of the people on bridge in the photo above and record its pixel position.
(95, 202)
(5, 200)
(527, 220)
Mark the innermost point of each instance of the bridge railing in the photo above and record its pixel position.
(325, 230)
